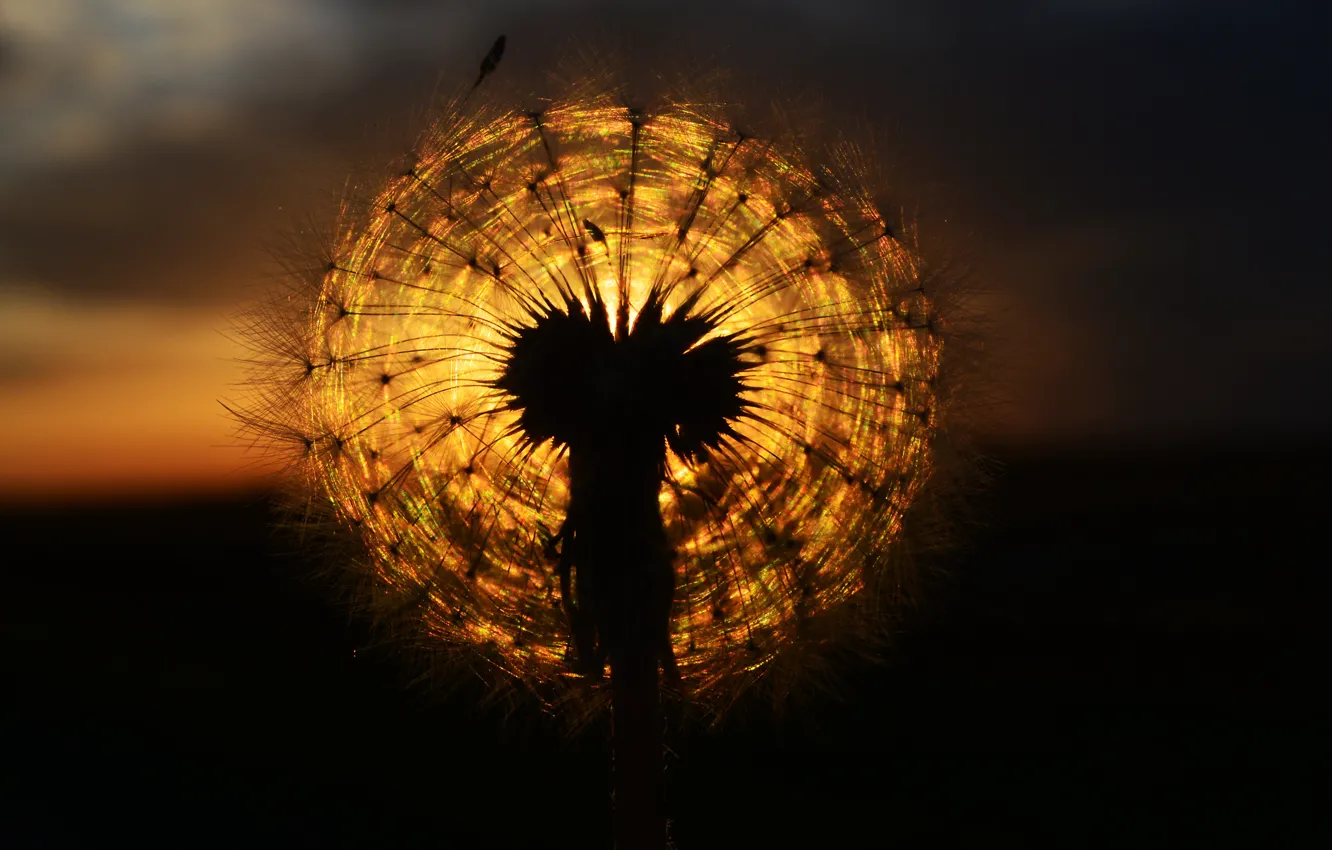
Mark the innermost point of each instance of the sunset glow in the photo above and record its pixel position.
(104, 399)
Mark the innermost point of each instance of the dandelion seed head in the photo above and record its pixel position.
(400, 376)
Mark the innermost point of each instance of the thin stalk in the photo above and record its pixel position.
(637, 742)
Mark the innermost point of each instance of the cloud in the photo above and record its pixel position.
(83, 77)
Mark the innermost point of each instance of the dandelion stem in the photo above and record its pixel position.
(625, 582)
(639, 768)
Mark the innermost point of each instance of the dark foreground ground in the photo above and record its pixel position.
(1132, 649)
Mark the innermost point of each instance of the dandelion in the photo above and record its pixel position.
(599, 387)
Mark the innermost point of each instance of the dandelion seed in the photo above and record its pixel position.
(491, 61)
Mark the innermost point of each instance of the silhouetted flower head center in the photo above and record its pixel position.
(668, 380)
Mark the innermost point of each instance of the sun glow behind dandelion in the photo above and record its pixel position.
(391, 385)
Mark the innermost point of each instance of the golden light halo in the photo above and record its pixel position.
(388, 379)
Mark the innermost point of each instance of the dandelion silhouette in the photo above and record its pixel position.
(605, 387)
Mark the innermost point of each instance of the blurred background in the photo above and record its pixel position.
(1130, 641)
(1140, 185)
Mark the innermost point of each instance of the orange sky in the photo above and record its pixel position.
(114, 398)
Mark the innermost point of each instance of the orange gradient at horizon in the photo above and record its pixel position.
(115, 398)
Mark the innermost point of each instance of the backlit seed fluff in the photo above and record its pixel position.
(384, 383)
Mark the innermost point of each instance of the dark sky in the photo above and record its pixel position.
(1140, 185)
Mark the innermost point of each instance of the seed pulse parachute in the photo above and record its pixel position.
(722, 327)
